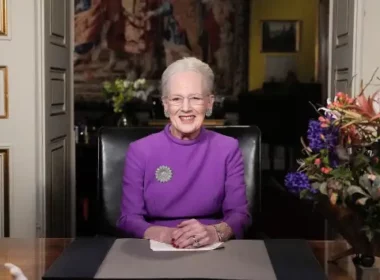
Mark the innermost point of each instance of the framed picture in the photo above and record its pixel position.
(280, 36)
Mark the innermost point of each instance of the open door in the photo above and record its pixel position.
(58, 147)
(344, 27)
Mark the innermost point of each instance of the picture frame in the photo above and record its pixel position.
(3, 18)
(280, 36)
(3, 92)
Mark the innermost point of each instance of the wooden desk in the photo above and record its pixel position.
(34, 256)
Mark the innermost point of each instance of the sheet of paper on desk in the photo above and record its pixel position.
(159, 246)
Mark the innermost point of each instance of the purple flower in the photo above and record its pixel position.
(297, 181)
(322, 137)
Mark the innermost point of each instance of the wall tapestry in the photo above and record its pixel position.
(139, 38)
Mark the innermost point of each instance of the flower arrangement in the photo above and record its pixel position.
(342, 160)
(120, 92)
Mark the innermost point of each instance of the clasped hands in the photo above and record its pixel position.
(193, 234)
(187, 234)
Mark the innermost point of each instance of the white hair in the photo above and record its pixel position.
(187, 64)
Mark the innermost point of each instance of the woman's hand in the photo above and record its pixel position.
(160, 234)
(193, 234)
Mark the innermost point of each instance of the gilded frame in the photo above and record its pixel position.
(3, 18)
(278, 50)
(4, 92)
(4, 153)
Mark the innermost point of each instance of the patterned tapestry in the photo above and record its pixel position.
(139, 38)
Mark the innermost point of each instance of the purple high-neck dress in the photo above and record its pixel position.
(206, 182)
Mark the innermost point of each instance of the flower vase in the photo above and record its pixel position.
(123, 121)
(349, 224)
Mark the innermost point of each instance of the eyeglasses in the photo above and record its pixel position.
(193, 100)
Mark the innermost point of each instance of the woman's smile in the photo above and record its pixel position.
(187, 119)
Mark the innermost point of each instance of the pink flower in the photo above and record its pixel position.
(371, 177)
(326, 170)
(324, 121)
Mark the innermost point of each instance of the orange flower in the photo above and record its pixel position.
(365, 106)
(333, 198)
(344, 98)
(326, 170)
(341, 100)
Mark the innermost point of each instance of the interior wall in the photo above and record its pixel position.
(19, 129)
(305, 11)
(370, 46)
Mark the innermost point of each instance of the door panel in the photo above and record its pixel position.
(58, 126)
(342, 18)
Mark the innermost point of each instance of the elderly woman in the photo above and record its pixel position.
(185, 185)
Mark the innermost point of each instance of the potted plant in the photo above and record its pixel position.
(122, 94)
(341, 171)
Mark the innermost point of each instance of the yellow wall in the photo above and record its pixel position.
(304, 10)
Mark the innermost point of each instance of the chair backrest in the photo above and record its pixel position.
(113, 143)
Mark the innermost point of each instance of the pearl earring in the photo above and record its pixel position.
(208, 113)
(166, 113)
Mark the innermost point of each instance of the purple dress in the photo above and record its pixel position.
(168, 180)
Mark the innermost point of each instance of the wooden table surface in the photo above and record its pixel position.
(34, 256)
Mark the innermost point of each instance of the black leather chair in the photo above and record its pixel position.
(112, 145)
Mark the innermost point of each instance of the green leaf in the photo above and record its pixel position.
(365, 182)
(342, 153)
(326, 161)
(351, 190)
(316, 185)
(311, 159)
(316, 177)
(323, 188)
(376, 169)
(304, 193)
(359, 162)
(342, 173)
(324, 152)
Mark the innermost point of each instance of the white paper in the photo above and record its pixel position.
(159, 246)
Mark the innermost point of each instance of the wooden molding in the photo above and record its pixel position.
(3, 18)
(3, 92)
(4, 193)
